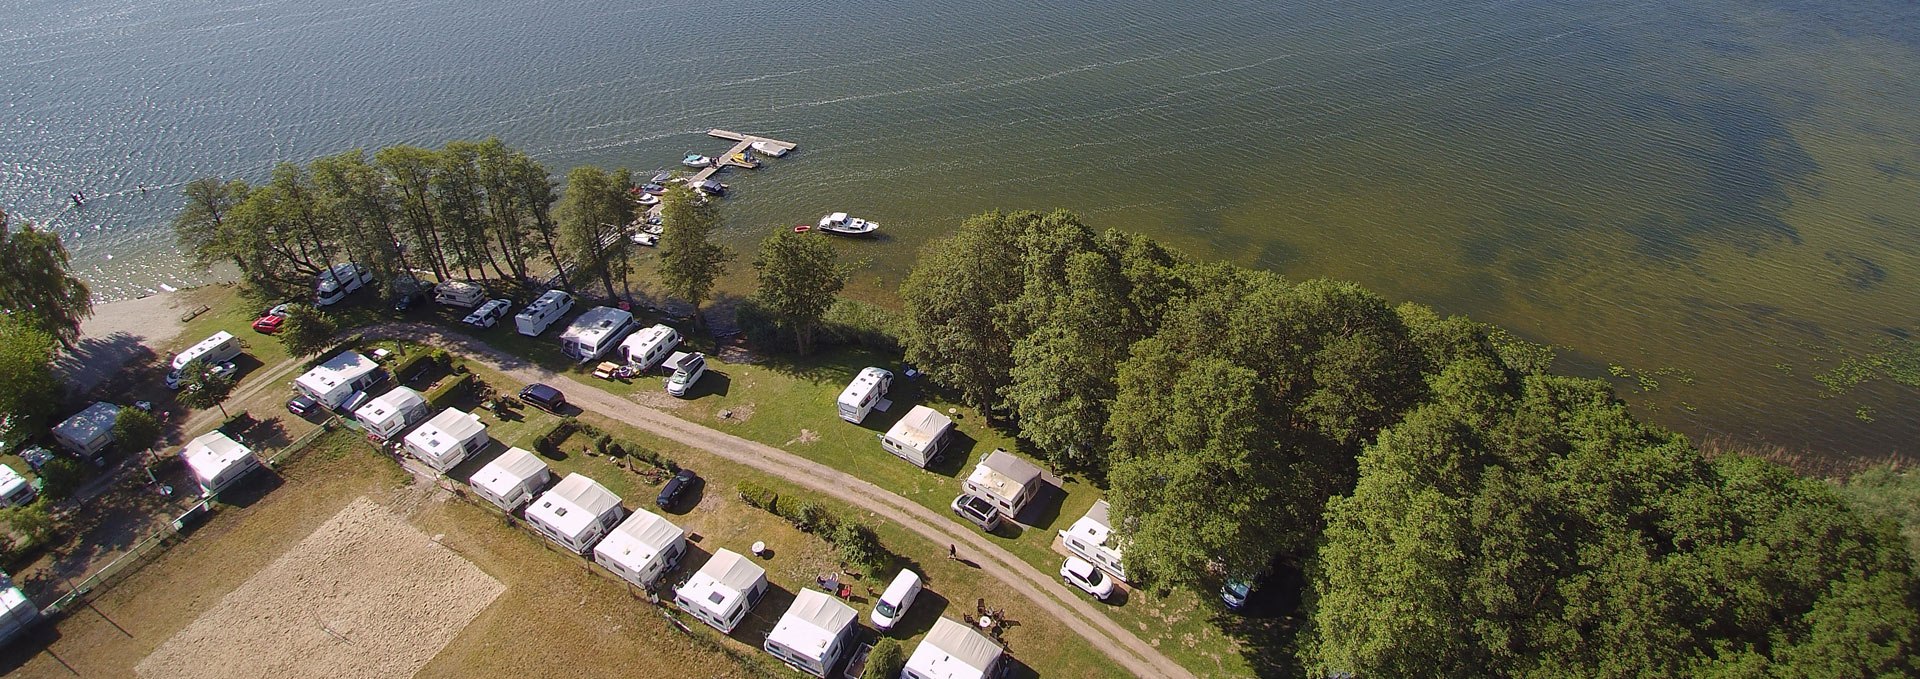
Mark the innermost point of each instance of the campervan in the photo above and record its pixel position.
(219, 348)
(595, 332)
(687, 369)
(332, 383)
(385, 417)
(551, 305)
(816, 630)
(1005, 480)
(919, 437)
(15, 490)
(336, 283)
(647, 348)
(1092, 538)
(576, 513)
(464, 294)
(866, 391)
(88, 432)
(18, 614)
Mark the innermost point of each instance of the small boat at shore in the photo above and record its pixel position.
(647, 199)
(840, 223)
(647, 239)
(744, 159)
(696, 160)
(768, 149)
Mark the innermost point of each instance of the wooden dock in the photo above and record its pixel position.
(746, 141)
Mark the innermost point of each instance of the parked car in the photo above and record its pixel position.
(895, 601)
(489, 314)
(302, 404)
(1079, 573)
(1234, 594)
(268, 324)
(544, 397)
(978, 511)
(408, 296)
(677, 486)
(686, 374)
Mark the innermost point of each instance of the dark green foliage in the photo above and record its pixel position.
(135, 430)
(602, 442)
(200, 388)
(847, 323)
(690, 262)
(756, 495)
(24, 529)
(806, 515)
(35, 285)
(953, 299)
(27, 383)
(306, 331)
(61, 476)
(549, 443)
(799, 275)
(1889, 493)
(859, 547)
(593, 213)
(885, 661)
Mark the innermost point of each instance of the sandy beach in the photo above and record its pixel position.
(119, 333)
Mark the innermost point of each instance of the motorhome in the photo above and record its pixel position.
(336, 283)
(954, 650)
(919, 437)
(448, 439)
(596, 332)
(15, 490)
(647, 348)
(219, 348)
(723, 591)
(813, 634)
(391, 413)
(88, 432)
(576, 513)
(217, 461)
(511, 479)
(330, 384)
(642, 548)
(1005, 480)
(463, 294)
(865, 393)
(1092, 538)
(535, 319)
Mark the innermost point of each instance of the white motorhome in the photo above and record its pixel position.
(336, 283)
(391, 413)
(17, 613)
(1005, 480)
(815, 632)
(1092, 538)
(576, 513)
(864, 393)
(534, 319)
(642, 548)
(919, 437)
(511, 479)
(15, 490)
(220, 347)
(448, 439)
(217, 461)
(464, 294)
(596, 332)
(647, 348)
(954, 650)
(88, 432)
(723, 591)
(330, 383)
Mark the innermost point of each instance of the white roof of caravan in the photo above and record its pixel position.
(1004, 473)
(392, 403)
(508, 471)
(648, 337)
(10, 479)
(953, 651)
(573, 504)
(595, 324)
(639, 538)
(12, 599)
(919, 426)
(446, 431)
(336, 371)
(211, 453)
(86, 424)
(812, 622)
(1095, 527)
(201, 348)
(546, 299)
(866, 381)
(721, 580)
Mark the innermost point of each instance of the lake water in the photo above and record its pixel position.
(1721, 196)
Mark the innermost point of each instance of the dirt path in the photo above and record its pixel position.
(1042, 589)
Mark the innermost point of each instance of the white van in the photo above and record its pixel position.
(895, 601)
(534, 319)
(464, 294)
(647, 348)
(214, 350)
(336, 283)
(866, 391)
(687, 369)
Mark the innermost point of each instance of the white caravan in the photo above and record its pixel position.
(217, 461)
(511, 479)
(642, 548)
(647, 348)
(866, 391)
(15, 490)
(954, 651)
(463, 294)
(723, 591)
(219, 348)
(595, 332)
(534, 319)
(336, 283)
(1092, 538)
(448, 439)
(1004, 480)
(330, 383)
(919, 437)
(17, 612)
(88, 432)
(576, 513)
(390, 414)
(815, 632)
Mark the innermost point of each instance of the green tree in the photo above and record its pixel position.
(1891, 493)
(509, 220)
(62, 476)
(36, 286)
(201, 227)
(533, 186)
(954, 297)
(30, 521)
(690, 262)
(593, 211)
(28, 388)
(135, 430)
(201, 387)
(799, 277)
(885, 661)
(410, 171)
(306, 331)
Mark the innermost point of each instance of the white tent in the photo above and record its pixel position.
(954, 651)
(642, 548)
(575, 513)
(813, 634)
(217, 461)
(447, 439)
(918, 437)
(1092, 538)
(1005, 480)
(723, 591)
(385, 417)
(511, 479)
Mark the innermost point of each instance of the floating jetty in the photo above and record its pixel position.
(744, 142)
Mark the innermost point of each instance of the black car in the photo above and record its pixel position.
(302, 404)
(402, 301)
(676, 487)
(544, 397)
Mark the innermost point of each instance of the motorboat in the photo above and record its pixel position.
(840, 223)
(659, 178)
(744, 159)
(654, 228)
(768, 148)
(647, 199)
(711, 188)
(655, 189)
(646, 238)
(696, 160)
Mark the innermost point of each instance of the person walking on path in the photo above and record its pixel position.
(952, 554)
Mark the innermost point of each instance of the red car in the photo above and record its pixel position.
(268, 324)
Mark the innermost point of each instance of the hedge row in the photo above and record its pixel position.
(855, 541)
(549, 444)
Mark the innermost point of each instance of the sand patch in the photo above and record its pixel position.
(806, 436)
(364, 595)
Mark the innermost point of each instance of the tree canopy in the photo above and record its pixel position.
(800, 274)
(690, 262)
(307, 330)
(28, 389)
(203, 387)
(593, 213)
(36, 286)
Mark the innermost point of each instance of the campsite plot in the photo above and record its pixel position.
(365, 595)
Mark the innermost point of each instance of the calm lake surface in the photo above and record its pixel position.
(1720, 197)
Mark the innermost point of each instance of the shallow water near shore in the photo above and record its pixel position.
(1717, 199)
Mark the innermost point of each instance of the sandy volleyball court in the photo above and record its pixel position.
(364, 595)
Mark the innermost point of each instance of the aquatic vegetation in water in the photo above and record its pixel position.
(1863, 413)
(1893, 359)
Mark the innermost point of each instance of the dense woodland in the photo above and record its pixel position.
(1459, 509)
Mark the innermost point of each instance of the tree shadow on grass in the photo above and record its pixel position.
(1267, 627)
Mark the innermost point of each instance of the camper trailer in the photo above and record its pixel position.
(954, 650)
(15, 490)
(723, 591)
(336, 283)
(815, 632)
(595, 332)
(463, 294)
(866, 392)
(642, 548)
(1004, 480)
(88, 432)
(17, 613)
(919, 437)
(448, 439)
(534, 319)
(511, 479)
(576, 513)
(331, 383)
(217, 461)
(219, 348)
(647, 348)
(390, 414)
(1092, 538)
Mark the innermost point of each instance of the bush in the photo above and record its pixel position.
(602, 442)
(886, 660)
(860, 547)
(549, 443)
(30, 521)
(62, 476)
(135, 429)
(756, 495)
(852, 322)
(448, 391)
